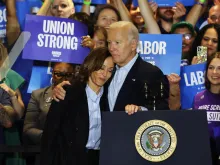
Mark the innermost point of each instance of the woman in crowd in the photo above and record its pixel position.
(137, 18)
(99, 39)
(209, 100)
(40, 101)
(210, 96)
(208, 37)
(11, 82)
(57, 8)
(98, 34)
(73, 126)
(105, 15)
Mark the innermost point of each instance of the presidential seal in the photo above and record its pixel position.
(155, 140)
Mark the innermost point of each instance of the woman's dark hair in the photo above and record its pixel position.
(84, 18)
(102, 31)
(53, 64)
(209, 60)
(93, 62)
(199, 37)
(100, 8)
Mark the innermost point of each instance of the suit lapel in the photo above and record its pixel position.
(128, 83)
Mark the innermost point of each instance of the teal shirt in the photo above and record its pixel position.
(13, 80)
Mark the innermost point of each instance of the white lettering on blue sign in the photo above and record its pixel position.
(49, 69)
(3, 21)
(3, 15)
(196, 78)
(61, 41)
(155, 47)
(57, 27)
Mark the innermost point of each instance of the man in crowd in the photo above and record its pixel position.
(167, 16)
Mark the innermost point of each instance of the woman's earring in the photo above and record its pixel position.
(51, 80)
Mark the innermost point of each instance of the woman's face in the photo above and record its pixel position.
(62, 72)
(210, 40)
(100, 40)
(106, 18)
(98, 78)
(213, 72)
(62, 8)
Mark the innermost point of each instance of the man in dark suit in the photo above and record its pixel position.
(135, 82)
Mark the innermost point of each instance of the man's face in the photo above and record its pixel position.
(166, 13)
(187, 38)
(214, 15)
(62, 8)
(121, 46)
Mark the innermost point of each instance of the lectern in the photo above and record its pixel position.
(155, 137)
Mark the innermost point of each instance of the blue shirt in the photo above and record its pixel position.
(117, 81)
(94, 118)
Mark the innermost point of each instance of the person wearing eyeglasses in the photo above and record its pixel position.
(40, 102)
(188, 36)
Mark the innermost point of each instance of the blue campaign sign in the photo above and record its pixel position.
(162, 50)
(3, 21)
(192, 82)
(168, 3)
(40, 77)
(55, 39)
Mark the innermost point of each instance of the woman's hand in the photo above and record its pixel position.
(88, 42)
(8, 89)
(58, 92)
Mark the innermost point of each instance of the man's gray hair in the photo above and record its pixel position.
(133, 31)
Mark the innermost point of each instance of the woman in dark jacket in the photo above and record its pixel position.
(73, 127)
